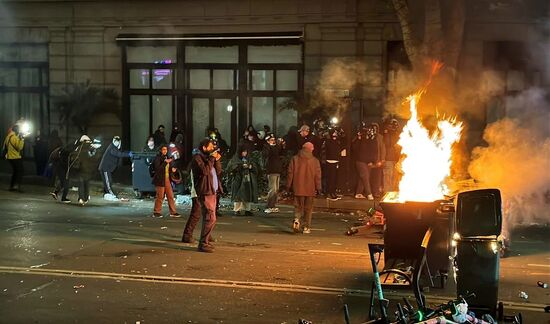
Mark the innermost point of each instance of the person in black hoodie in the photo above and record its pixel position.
(333, 151)
(87, 165)
(159, 136)
(272, 153)
(364, 149)
(108, 164)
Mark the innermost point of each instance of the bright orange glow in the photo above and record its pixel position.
(426, 161)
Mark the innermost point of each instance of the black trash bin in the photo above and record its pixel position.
(406, 224)
(478, 224)
(141, 179)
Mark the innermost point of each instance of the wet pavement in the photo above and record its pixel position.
(110, 262)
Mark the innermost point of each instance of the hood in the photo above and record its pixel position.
(305, 154)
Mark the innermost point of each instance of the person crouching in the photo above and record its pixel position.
(161, 180)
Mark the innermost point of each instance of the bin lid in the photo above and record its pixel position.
(479, 213)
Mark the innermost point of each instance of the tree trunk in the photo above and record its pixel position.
(412, 44)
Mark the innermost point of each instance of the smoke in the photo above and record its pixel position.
(338, 79)
(516, 159)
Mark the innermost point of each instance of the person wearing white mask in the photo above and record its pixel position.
(108, 164)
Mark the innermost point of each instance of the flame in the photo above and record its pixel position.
(426, 163)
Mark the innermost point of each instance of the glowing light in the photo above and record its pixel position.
(334, 120)
(229, 108)
(426, 161)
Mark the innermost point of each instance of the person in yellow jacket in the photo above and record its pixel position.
(13, 144)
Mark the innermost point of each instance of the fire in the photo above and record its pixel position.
(427, 158)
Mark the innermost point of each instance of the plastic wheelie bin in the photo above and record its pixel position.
(141, 179)
(478, 224)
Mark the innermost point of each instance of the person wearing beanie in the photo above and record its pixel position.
(304, 179)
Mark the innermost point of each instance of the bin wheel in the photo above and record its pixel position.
(138, 194)
(500, 311)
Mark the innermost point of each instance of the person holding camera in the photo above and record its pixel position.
(206, 168)
(13, 146)
(244, 187)
(161, 179)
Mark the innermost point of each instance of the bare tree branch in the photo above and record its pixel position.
(412, 45)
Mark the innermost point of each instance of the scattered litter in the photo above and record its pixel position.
(163, 227)
(78, 286)
(164, 265)
(523, 295)
(542, 284)
(336, 243)
(125, 257)
(39, 265)
(344, 220)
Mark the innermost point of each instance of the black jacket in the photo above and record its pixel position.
(272, 156)
(332, 149)
(365, 150)
(201, 166)
(110, 158)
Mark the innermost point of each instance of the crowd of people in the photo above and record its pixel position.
(307, 161)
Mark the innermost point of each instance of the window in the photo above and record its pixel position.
(24, 86)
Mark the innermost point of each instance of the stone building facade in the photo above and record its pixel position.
(229, 64)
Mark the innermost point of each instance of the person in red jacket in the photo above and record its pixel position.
(304, 179)
(161, 179)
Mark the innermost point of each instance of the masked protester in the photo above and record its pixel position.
(88, 160)
(13, 146)
(159, 136)
(377, 173)
(391, 136)
(272, 153)
(206, 167)
(163, 168)
(108, 164)
(364, 149)
(333, 150)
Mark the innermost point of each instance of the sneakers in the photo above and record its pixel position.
(248, 213)
(306, 230)
(66, 201)
(54, 195)
(360, 196)
(296, 225)
(176, 215)
(271, 210)
(110, 197)
(82, 202)
(157, 215)
(370, 197)
(333, 197)
(206, 248)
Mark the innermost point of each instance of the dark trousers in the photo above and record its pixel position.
(107, 178)
(84, 189)
(193, 220)
(17, 173)
(332, 178)
(63, 182)
(303, 208)
(208, 211)
(363, 183)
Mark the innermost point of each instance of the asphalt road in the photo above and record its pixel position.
(111, 263)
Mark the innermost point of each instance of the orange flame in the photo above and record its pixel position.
(427, 159)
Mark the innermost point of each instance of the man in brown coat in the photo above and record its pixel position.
(304, 178)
